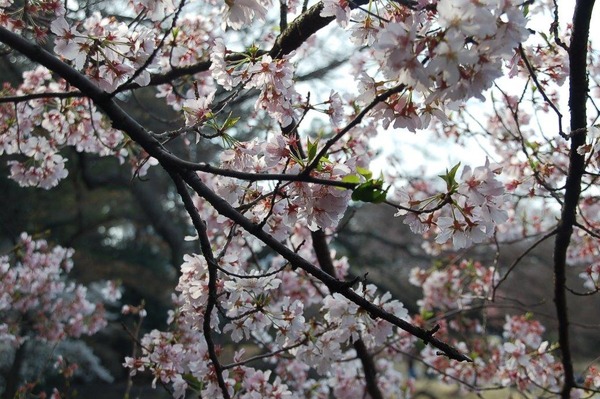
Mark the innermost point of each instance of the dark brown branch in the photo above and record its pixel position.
(308, 23)
(36, 96)
(554, 28)
(211, 303)
(369, 367)
(587, 293)
(578, 91)
(593, 233)
(252, 177)
(541, 89)
(322, 252)
(283, 10)
(299, 30)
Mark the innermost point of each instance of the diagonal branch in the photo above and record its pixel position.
(533, 75)
(334, 285)
(299, 30)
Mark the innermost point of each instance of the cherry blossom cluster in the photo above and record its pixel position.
(273, 77)
(299, 339)
(266, 309)
(36, 294)
(455, 286)
(438, 58)
(43, 313)
(276, 311)
(500, 362)
(282, 207)
(31, 16)
(110, 52)
(518, 358)
(39, 128)
(475, 207)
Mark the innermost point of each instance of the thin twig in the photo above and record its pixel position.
(542, 91)
(357, 119)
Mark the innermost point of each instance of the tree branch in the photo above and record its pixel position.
(36, 96)
(211, 303)
(577, 102)
(369, 367)
(541, 89)
(299, 30)
(334, 285)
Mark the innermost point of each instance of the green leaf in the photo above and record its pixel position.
(297, 159)
(370, 191)
(230, 122)
(529, 316)
(351, 179)
(228, 141)
(312, 149)
(194, 383)
(453, 171)
(450, 178)
(366, 173)
(427, 314)
(534, 145)
(533, 164)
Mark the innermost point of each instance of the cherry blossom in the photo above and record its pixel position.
(197, 110)
(34, 284)
(241, 12)
(339, 9)
(475, 204)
